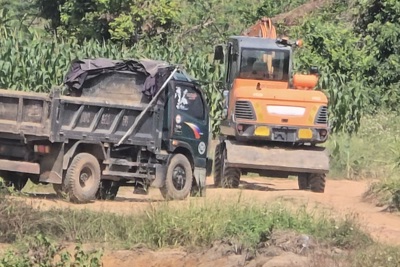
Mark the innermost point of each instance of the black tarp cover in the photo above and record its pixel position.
(84, 71)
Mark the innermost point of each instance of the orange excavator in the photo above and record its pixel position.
(273, 120)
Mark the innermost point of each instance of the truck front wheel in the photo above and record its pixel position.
(179, 179)
(82, 179)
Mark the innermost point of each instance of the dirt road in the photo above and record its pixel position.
(341, 197)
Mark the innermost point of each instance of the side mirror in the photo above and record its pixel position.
(219, 53)
(314, 70)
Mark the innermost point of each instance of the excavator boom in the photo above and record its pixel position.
(262, 28)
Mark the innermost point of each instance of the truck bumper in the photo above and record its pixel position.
(19, 166)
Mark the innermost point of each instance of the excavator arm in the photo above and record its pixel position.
(262, 28)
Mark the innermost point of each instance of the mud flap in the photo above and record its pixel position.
(209, 166)
(161, 172)
(295, 160)
(199, 187)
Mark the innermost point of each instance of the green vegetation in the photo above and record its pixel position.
(40, 251)
(358, 74)
(371, 153)
(241, 222)
(197, 224)
(354, 43)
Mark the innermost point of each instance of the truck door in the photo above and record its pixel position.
(189, 119)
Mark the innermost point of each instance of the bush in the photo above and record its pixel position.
(42, 252)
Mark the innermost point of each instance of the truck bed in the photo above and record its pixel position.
(24, 113)
(104, 120)
(59, 118)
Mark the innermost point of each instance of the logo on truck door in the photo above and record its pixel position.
(202, 148)
(181, 101)
(195, 129)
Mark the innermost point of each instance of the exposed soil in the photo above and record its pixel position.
(295, 15)
(341, 197)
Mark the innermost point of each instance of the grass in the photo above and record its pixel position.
(374, 152)
(200, 224)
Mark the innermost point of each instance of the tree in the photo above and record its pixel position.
(123, 21)
(379, 23)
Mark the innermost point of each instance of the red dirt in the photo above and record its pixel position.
(295, 15)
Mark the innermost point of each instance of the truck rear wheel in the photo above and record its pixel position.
(82, 179)
(179, 179)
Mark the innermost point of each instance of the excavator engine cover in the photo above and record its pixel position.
(292, 160)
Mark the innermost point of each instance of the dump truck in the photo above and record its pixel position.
(139, 123)
(273, 120)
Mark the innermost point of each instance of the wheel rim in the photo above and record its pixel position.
(86, 178)
(179, 177)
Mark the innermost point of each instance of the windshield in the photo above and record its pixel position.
(263, 64)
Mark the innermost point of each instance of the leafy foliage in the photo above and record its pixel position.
(334, 48)
(42, 252)
(110, 19)
(379, 24)
(358, 65)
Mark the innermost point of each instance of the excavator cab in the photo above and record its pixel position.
(273, 119)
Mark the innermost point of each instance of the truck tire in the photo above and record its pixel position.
(108, 190)
(15, 180)
(304, 181)
(218, 165)
(317, 182)
(231, 178)
(82, 179)
(179, 179)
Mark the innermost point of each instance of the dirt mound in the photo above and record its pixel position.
(283, 249)
(294, 16)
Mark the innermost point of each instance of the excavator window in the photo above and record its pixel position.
(263, 64)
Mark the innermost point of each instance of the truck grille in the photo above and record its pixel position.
(322, 116)
(244, 110)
